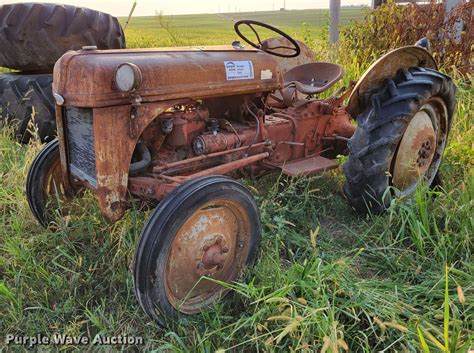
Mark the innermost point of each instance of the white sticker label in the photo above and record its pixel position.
(239, 70)
(266, 74)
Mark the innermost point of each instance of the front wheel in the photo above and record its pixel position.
(400, 138)
(44, 186)
(207, 227)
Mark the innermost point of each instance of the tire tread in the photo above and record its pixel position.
(33, 36)
(19, 94)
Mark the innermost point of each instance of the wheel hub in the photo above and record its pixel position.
(214, 257)
(415, 151)
(425, 154)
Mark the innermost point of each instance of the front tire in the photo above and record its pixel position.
(400, 138)
(44, 182)
(209, 227)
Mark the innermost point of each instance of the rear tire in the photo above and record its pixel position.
(34, 36)
(23, 95)
(375, 160)
(208, 226)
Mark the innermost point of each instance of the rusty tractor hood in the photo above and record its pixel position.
(86, 78)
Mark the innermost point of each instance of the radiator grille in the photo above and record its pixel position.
(80, 137)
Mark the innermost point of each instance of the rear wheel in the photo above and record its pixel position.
(34, 36)
(207, 227)
(400, 138)
(25, 98)
(44, 186)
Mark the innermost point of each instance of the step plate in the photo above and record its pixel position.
(307, 166)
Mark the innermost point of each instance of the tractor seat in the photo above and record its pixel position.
(313, 78)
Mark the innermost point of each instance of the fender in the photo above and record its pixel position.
(385, 67)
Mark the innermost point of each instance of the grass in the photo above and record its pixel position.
(326, 280)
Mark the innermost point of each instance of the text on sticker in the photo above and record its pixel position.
(239, 70)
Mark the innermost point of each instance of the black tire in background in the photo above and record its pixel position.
(389, 110)
(33, 36)
(27, 97)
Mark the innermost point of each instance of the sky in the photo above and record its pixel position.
(177, 7)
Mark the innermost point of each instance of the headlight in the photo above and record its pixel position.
(128, 77)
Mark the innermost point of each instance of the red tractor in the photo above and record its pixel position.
(178, 125)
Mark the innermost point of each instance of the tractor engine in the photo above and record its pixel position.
(207, 128)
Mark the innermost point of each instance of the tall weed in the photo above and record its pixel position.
(391, 26)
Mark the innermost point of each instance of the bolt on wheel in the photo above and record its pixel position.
(203, 233)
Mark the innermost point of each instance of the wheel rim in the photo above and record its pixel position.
(420, 150)
(53, 185)
(213, 242)
(52, 191)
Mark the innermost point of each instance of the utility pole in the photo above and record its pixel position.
(376, 3)
(449, 5)
(129, 15)
(334, 11)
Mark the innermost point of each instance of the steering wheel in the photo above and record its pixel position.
(270, 50)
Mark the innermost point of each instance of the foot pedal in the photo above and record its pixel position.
(308, 166)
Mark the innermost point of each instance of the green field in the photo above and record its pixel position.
(326, 280)
(209, 29)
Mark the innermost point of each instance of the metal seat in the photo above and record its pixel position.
(313, 78)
